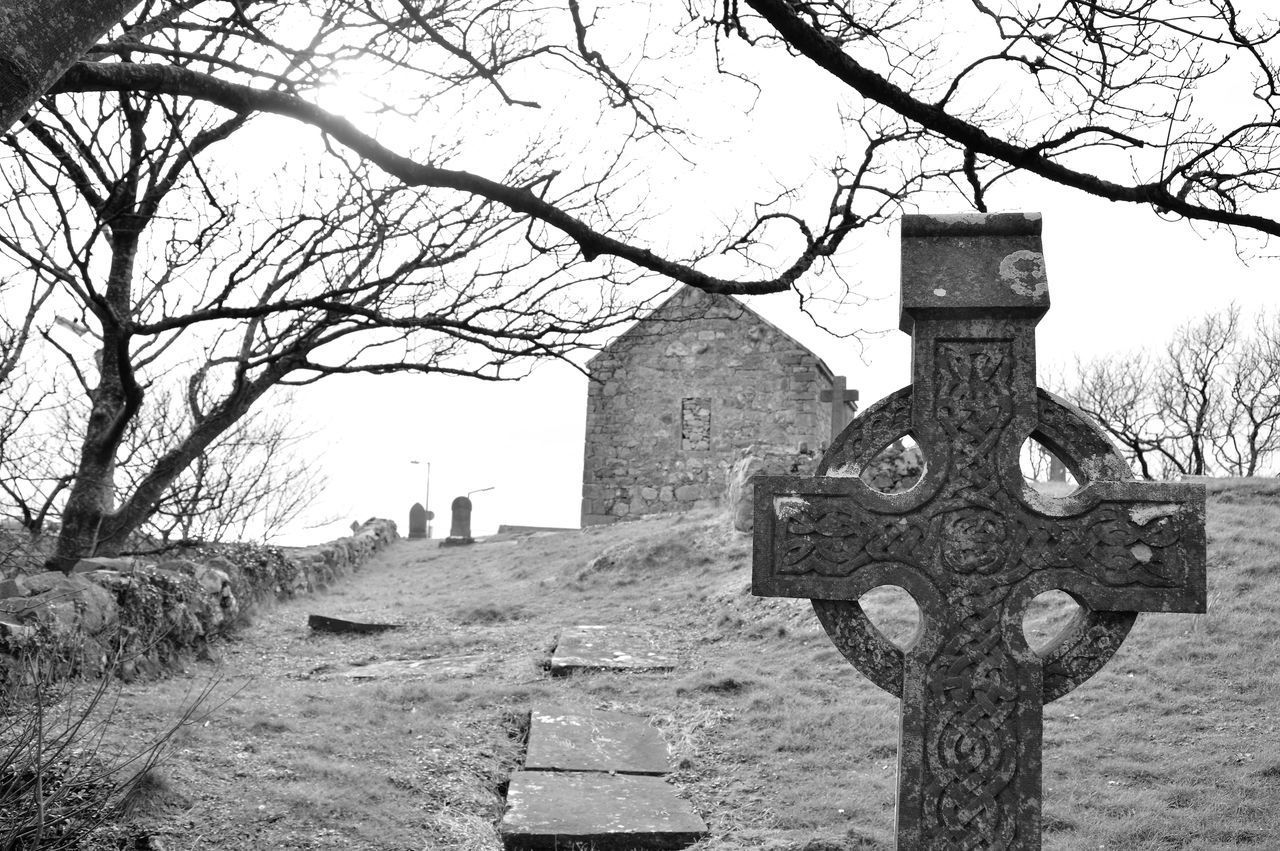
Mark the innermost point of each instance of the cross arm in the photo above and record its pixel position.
(1136, 546)
(830, 538)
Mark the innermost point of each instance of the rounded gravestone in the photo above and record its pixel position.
(460, 524)
(418, 517)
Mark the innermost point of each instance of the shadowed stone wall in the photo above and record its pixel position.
(673, 402)
(148, 616)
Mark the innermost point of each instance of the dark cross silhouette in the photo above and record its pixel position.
(973, 542)
(839, 398)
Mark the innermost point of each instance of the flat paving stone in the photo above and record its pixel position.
(609, 648)
(394, 669)
(606, 812)
(565, 738)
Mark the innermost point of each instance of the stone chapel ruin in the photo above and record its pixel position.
(675, 400)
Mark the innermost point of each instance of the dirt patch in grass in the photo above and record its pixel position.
(776, 740)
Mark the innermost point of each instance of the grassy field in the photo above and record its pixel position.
(778, 742)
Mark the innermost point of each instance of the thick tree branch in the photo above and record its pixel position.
(159, 79)
(803, 37)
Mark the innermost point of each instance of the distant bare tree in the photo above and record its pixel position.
(1199, 363)
(1209, 403)
(249, 484)
(1251, 427)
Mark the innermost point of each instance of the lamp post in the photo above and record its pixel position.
(427, 503)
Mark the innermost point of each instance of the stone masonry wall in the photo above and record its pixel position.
(673, 402)
(142, 617)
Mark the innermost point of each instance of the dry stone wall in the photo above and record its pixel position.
(673, 402)
(143, 617)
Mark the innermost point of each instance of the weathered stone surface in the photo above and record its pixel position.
(88, 565)
(459, 523)
(417, 521)
(165, 609)
(443, 667)
(973, 543)
(675, 399)
(566, 738)
(62, 603)
(322, 623)
(51, 580)
(757, 460)
(896, 469)
(553, 810)
(609, 648)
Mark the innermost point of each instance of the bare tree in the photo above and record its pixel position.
(248, 484)
(1081, 93)
(1251, 428)
(1208, 404)
(1122, 101)
(1189, 388)
(353, 277)
(1116, 393)
(367, 271)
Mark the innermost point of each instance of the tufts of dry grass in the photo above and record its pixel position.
(778, 741)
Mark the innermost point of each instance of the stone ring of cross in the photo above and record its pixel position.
(1086, 644)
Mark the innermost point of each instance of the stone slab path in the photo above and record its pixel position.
(563, 738)
(594, 778)
(609, 648)
(554, 809)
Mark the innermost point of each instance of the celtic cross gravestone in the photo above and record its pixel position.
(973, 543)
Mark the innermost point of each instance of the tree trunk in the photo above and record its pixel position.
(115, 401)
(40, 39)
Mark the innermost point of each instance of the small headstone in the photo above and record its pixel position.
(604, 812)
(460, 524)
(417, 521)
(1057, 470)
(973, 543)
(609, 648)
(562, 738)
(321, 623)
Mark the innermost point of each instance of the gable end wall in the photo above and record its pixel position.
(762, 387)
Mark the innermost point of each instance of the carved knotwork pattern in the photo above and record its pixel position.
(877, 427)
(972, 684)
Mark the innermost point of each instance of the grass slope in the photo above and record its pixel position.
(778, 742)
